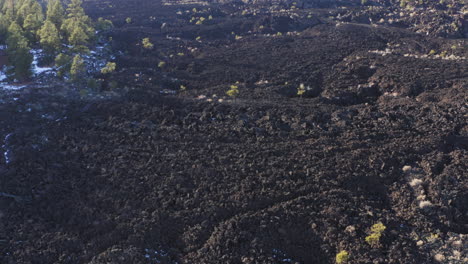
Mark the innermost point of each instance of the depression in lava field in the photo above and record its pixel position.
(233, 131)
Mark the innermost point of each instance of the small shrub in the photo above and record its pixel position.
(342, 257)
(161, 64)
(432, 52)
(233, 91)
(301, 89)
(104, 24)
(147, 43)
(128, 20)
(110, 67)
(373, 239)
(376, 233)
(378, 228)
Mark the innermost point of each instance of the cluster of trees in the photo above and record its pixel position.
(63, 33)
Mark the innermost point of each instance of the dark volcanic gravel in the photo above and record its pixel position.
(148, 176)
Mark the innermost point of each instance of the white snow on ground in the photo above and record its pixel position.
(2, 76)
(6, 86)
(35, 68)
(7, 152)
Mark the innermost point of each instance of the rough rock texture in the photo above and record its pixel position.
(152, 173)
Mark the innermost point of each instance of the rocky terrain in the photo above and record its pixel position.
(161, 166)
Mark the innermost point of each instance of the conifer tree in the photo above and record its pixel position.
(78, 68)
(76, 24)
(78, 39)
(75, 10)
(31, 16)
(4, 25)
(55, 12)
(18, 53)
(62, 64)
(49, 39)
(104, 24)
(24, 9)
(9, 9)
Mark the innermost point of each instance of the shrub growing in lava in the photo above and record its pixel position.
(233, 91)
(342, 257)
(147, 43)
(110, 67)
(376, 233)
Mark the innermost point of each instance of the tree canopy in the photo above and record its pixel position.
(57, 30)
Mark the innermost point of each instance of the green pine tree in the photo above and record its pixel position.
(24, 9)
(75, 10)
(4, 25)
(76, 25)
(62, 64)
(78, 39)
(18, 52)
(55, 12)
(10, 8)
(78, 69)
(104, 24)
(49, 39)
(31, 16)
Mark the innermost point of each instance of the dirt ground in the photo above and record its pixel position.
(152, 173)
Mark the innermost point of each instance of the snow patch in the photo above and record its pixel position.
(35, 67)
(11, 87)
(2, 76)
(7, 153)
(157, 255)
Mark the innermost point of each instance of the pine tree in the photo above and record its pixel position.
(4, 25)
(31, 16)
(78, 69)
(78, 39)
(49, 39)
(62, 64)
(24, 9)
(104, 24)
(18, 53)
(9, 9)
(55, 12)
(75, 10)
(77, 25)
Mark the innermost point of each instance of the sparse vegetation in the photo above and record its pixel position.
(147, 44)
(376, 233)
(301, 89)
(233, 91)
(342, 257)
(162, 159)
(109, 68)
